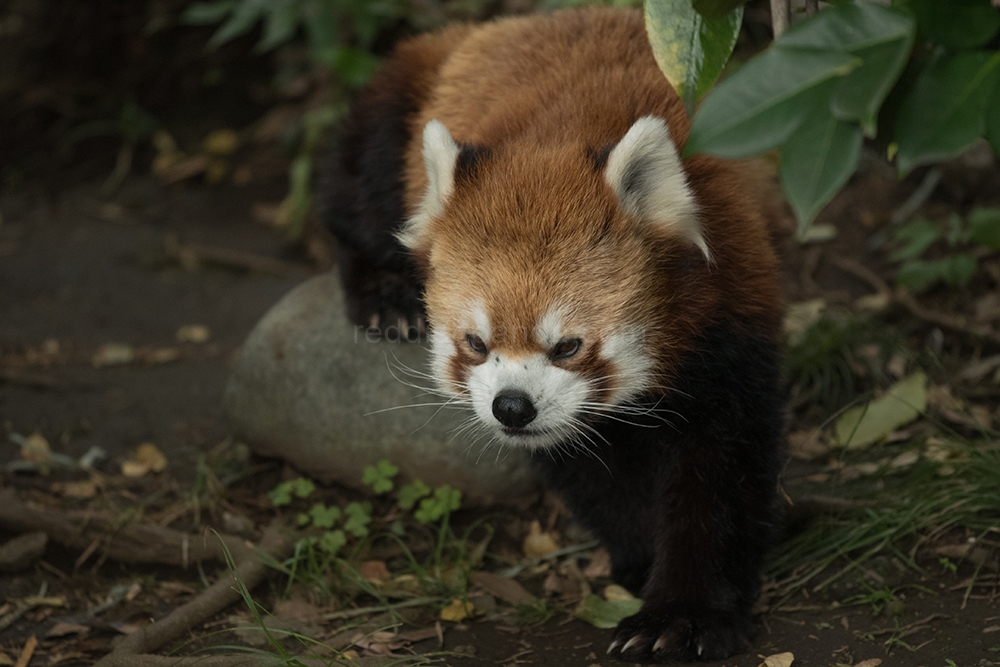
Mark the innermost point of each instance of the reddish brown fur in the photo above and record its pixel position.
(543, 97)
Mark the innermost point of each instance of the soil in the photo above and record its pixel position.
(80, 271)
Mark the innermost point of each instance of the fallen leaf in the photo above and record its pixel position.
(84, 489)
(506, 589)
(615, 593)
(864, 425)
(600, 565)
(778, 660)
(221, 142)
(63, 629)
(988, 308)
(374, 570)
(905, 459)
(157, 355)
(36, 449)
(457, 610)
(5, 659)
(537, 543)
(806, 445)
(27, 652)
(193, 333)
(147, 458)
(603, 613)
(113, 354)
(299, 610)
(870, 662)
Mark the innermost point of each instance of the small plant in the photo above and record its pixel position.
(962, 236)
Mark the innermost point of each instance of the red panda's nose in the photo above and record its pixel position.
(513, 408)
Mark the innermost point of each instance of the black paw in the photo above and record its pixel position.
(389, 305)
(681, 634)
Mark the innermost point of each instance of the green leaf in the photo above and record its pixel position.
(279, 26)
(957, 24)
(444, 501)
(202, 13)
(867, 424)
(243, 18)
(984, 227)
(715, 9)
(690, 49)
(603, 613)
(282, 494)
(957, 270)
(816, 161)
(765, 101)
(946, 109)
(993, 120)
(379, 476)
(359, 515)
(411, 493)
(323, 516)
(879, 36)
(917, 274)
(332, 541)
(916, 236)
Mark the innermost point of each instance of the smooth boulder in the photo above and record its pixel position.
(330, 398)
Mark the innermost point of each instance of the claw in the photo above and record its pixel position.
(635, 640)
(701, 649)
(612, 646)
(660, 644)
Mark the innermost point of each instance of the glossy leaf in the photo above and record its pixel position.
(993, 120)
(690, 49)
(984, 227)
(603, 613)
(957, 24)
(879, 36)
(946, 109)
(715, 9)
(867, 424)
(764, 102)
(816, 161)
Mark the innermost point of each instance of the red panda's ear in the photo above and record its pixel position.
(646, 174)
(440, 155)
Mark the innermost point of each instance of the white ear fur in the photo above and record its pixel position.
(440, 155)
(646, 174)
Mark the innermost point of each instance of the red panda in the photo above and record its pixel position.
(591, 296)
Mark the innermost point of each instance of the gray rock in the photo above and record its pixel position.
(21, 552)
(309, 388)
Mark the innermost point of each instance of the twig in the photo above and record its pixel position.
(905, 299)
(909, 626)
(27, 652)
(361, 611)
(135, 543)
(565, 551)
(274, 544)
(190, 255)
(780, 14)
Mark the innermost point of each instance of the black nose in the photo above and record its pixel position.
(513, 409)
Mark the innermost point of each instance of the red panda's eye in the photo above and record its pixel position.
(565, 349)
(476, 343)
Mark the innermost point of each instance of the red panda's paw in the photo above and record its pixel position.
(678, 634)
(390, 308)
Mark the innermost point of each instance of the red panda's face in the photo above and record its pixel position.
(542, 290)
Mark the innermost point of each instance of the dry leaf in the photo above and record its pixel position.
(457, 610)
(778, 660)
(600, 565)
(221, 142)
(84, 489)
(63, 629)
(193, 333)
(799, 317)
(374, 570)
(867, 424)
(506, 589)
(113, 354)
(36, 449)
(158, 355)
(870, 662)
(614, 593)
(806, 445)
(147, 458)
(5, 659)
(537, 543)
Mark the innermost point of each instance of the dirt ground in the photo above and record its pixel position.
(121, 315)
(78, 272)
